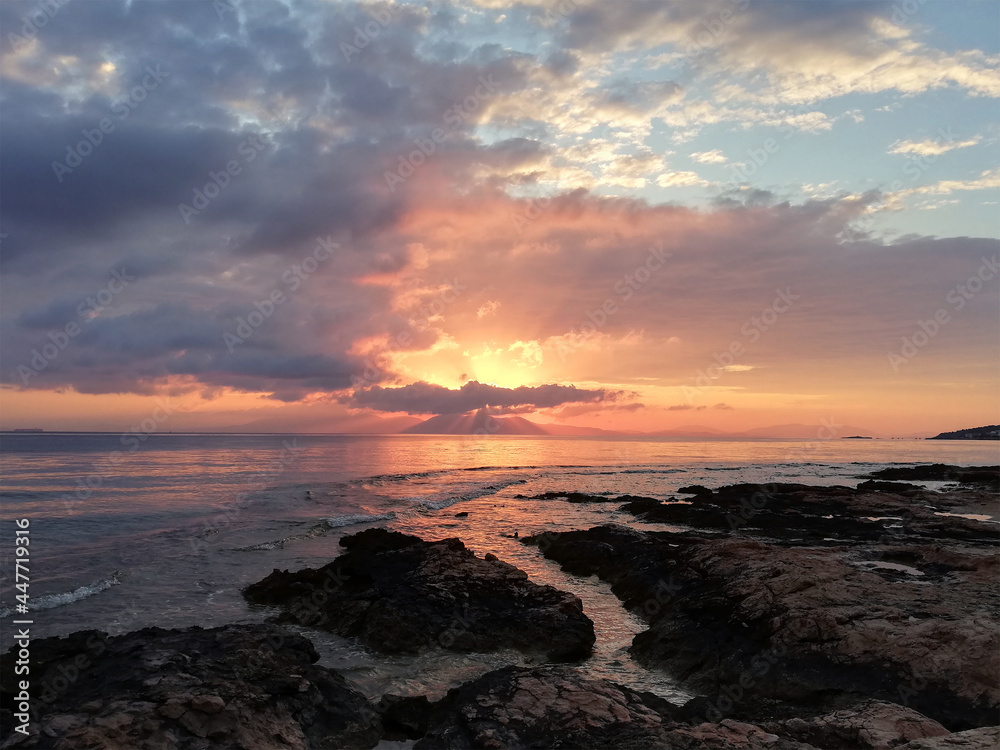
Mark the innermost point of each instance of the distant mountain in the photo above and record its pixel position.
(482, 423)
(800, 432)
(989, 432)
(566, 429)
(689, 431)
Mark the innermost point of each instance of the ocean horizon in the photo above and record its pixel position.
(170, 534)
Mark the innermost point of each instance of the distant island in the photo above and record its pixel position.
(482, 422)
(29, 429)
(858, 437)
(989, 432)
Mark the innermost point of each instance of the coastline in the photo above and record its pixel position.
(779, 539)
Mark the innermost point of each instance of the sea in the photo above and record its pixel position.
(167, 531)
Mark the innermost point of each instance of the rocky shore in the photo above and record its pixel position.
(398, 593)
(802, 617)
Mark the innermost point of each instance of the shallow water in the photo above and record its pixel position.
(170, 535)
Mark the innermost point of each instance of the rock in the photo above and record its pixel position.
(234, 687)
(556, 707)
(463, 514)
(209, 704)
(404, 718)
(799, 513)
(573, 497)
(988, 476)
(61, 723)
(731, 734)
(870, 725)
(695, 489)
(398, 593)
(114, 721)
(750, 623)
(987, 738)
(874, 485)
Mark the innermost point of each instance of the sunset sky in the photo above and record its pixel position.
(635, 215)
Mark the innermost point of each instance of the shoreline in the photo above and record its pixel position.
(852, 598)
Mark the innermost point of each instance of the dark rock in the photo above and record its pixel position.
(804, 626)
(234, 687)
(463, 514)
(874, 485)
(398, 593)
(573, 497)
(801, 514)
(976, 475)
(870, 725)
(404, 718)
(695, 489)
(987, 738)
(556, 707)
(641, 505)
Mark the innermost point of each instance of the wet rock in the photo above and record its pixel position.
(988, 476)
(236, 687)
(573, 497)
(398, 593)
(404, 718)
(802, 514)
(987, 738)
(874, 485)
(751, 624)
(871, 725)
(556, 707)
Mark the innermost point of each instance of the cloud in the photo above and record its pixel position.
(680, 179)
(423, 267)
(988, 179)
(427, 398)
(715, 156)
(931, 148)
(488, 309)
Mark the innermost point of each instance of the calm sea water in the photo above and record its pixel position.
(167, 534)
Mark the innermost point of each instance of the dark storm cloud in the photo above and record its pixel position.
(426, 398)
(593, 26)
(227, 72)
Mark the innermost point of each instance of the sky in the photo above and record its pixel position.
(640, 215)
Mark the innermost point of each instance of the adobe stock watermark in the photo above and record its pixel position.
(625, 288)
(917, 164)
(87, 311)
(122, 108)
(752, 330)
(222, 7)
(286, 459)
(108, 468)
(292, 278)
(758, 157)
(957, 297)
(249, 149)
(373, 372)
(757, 502)
(364, 35)
(902, 10)
(454, 117)
(715, 27)
(34, 22)
(560, 11)
(533, 209)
